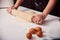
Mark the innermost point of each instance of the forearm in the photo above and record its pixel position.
(18, 2)
(49, 7)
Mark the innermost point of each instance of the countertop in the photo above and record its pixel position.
(13, 29)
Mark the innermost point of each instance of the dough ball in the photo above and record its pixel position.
(29, 35)
(32, 31)
(38, 29)
(39, 34)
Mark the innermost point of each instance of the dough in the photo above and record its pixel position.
(39, 34)
(32, 31)
(24, 15)
(38, 29)
(29, 35)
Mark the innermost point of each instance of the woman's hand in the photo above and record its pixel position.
(10, 9)
(38, 19)
(15, 6)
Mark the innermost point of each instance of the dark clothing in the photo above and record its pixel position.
(28, 4)
(56, 9)
(35, 4)
(42, 4)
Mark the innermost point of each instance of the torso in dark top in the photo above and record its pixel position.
(56, 9)
(42, 4)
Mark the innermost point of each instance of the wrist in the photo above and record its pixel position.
(43, 15)
(13, 7)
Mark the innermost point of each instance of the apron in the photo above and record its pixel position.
(41, 4)
(35, 4)
(56, 9)
(6, 3)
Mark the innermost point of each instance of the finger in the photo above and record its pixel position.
(9, 10)
(40, 21)
(32, 19)
(35, 19)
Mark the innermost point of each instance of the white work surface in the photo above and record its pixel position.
(13, 29)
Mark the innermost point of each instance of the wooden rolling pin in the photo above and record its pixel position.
(24, 15)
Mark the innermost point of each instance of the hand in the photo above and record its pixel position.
(38, 19)
(10, 9)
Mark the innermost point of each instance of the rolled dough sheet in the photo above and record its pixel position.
(24, 15)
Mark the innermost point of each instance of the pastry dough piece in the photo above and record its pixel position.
(24, 15)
